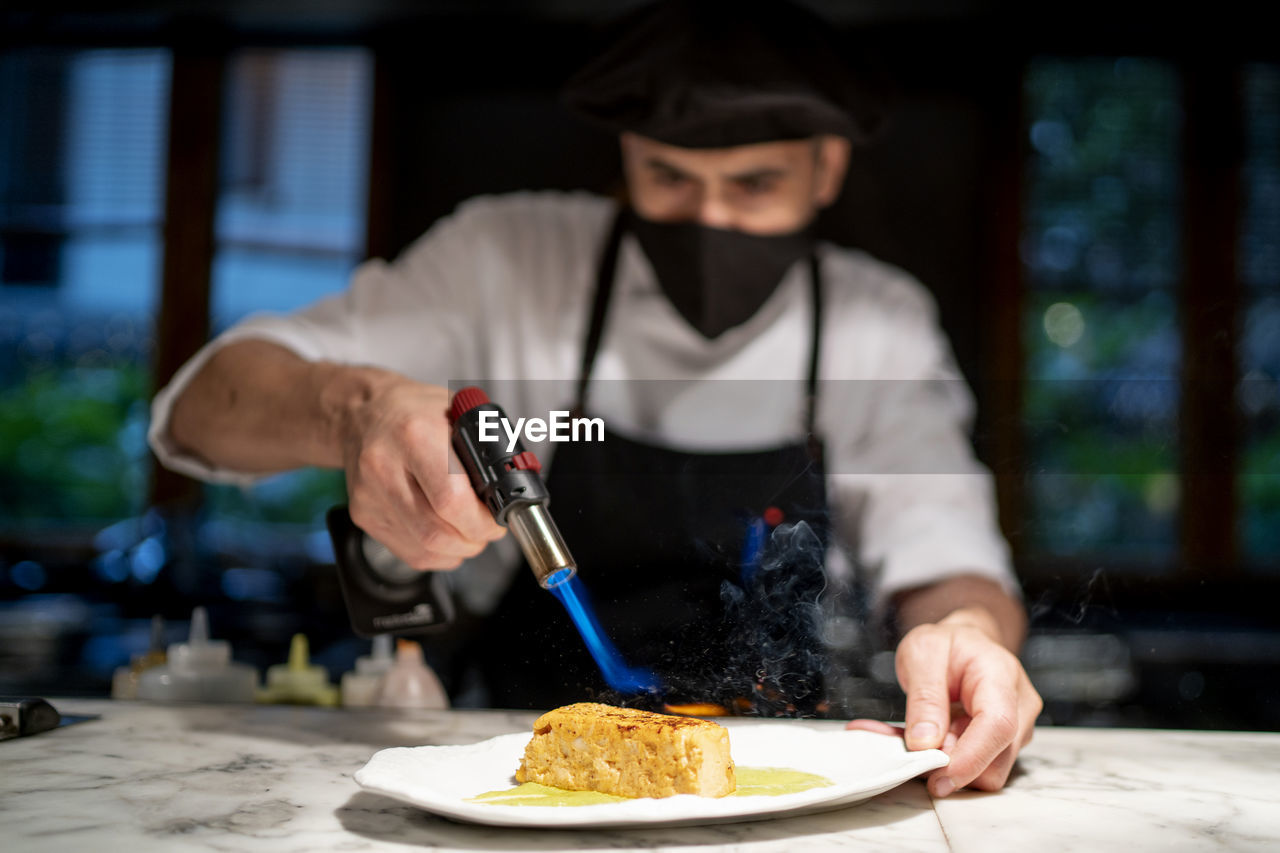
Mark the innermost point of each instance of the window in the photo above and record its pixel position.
(1152, 280)
(83, 158)
(1101, 258)
(81, 192)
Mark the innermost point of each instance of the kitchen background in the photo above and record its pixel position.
(1092, 194)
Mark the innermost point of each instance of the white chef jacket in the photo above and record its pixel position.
(500, 292)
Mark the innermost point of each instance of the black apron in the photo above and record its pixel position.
(658, 536)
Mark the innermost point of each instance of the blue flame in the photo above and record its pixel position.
(617, 674)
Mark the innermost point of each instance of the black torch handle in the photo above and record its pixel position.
(383, 594)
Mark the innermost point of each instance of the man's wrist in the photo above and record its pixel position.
(975, 616)
(963, 600)
(343, 394)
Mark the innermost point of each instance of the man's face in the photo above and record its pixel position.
(767, 188)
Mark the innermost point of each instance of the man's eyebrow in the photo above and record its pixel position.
(753, 174)
(761, 173)
(663, 165)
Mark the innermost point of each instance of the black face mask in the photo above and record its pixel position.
(717, 278)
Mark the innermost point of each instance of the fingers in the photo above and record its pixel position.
(997, 772)
(882, 728)
(404, 491)
(986, 748)
(452, 499)
(876, 726)
(995, 715)
(949, 742)
(923, 661)
(1030, 705)
(396, 512)
(941, 783)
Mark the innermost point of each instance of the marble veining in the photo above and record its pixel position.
(1089, 789)
(277, 778)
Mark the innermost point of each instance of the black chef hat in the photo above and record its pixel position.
(715, 74)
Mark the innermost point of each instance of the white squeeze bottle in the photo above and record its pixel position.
(360, 686)
(410, 683)
(199, 670)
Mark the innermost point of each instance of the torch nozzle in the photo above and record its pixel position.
(542, 544)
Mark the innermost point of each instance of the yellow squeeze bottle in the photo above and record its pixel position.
(298, 682)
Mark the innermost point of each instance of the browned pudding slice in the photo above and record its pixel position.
(630, 753)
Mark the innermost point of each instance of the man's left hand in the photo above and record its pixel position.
(967, 695)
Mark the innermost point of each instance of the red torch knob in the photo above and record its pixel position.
(465, 400)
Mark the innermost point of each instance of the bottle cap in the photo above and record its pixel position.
(298, 675)
(199, 652)
(157, 635)
(155, 654)
(298, 681)
(379, 660)
(408, 652)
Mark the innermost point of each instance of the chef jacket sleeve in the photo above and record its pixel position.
(910, 495)
(415, 316)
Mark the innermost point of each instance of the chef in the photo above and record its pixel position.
(744, 372)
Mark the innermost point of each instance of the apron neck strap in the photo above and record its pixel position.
(815, 349)
(606, 273)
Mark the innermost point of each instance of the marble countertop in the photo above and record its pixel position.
(278, 778)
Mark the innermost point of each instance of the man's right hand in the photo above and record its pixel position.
(258, 407)
(400, 486)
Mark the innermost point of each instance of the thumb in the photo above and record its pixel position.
(921, 663)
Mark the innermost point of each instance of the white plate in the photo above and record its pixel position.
(861, 764)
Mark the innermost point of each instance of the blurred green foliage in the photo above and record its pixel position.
(1100, 251)
(73, 451)
(1260, 499)
(73, 444)
(299, 497)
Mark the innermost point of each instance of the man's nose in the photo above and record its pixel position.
(713, 212)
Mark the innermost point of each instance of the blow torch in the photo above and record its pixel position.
(385, 595)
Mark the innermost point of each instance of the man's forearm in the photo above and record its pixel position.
(258, 407)
(967, 599)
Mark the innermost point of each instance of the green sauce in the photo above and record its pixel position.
(775, 781)
(533, 794)
(752, 782)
